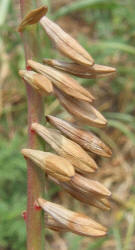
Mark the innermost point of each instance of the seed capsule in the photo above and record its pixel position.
(81, 195)
(52, 164)
(39, 82)
(84, 111)
(86, 139)
(32, 17)
(67, 149)
(96, 71)
(52, 224)
(62, 81)
(85, 185)
(74, 222)
(65, 43)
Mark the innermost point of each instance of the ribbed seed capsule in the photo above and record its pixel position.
(67, 149)
(62, 81)
(86, 139)
(39, 82)
(84, 111)
(52, 224)
(86, 197)
(74, 222)
(32, 17)
(52, 164)
(65, 43)
(95, 71)
(87, 186)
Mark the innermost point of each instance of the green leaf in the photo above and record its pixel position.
(123, 128)
(117, 237)
(80, 5)
(114, 45)
(4, 6)
(120, 116)
(97, 244)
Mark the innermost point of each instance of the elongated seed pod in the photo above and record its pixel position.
(86, 197)
(67, 149)
(95, 71)
(84, 111)
(52, 164)
(39, 82)
(75, 222)
(63, 81)
(52, 224)
(87, 186)
(86, 139)
(32, 17)
(65, 43)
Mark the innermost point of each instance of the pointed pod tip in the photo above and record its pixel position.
(34, 125)
(25, 152)
(41, 202)
(21, 72)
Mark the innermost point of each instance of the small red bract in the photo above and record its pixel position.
(28, 67)
(36, 206)
(24, 215)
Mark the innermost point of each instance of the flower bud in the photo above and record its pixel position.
(84, 111)
(65, 43)
(52, 164)
(39, 82)
(75, 222)
(62, 81)
(67, 149)
(82, 71)
(86, 139)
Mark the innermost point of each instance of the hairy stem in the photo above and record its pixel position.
(35, 183)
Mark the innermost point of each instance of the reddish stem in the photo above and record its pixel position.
(35, 183)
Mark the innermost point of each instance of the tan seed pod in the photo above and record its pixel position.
(62, 81)
(52, 164)
(67, 149)
(52, 224)
(96, 71)
(86, 139)
(65, 43)
(32, 17)
(39, 82)
(87, 186)
(85, 197)
(84, 111)
(75, 222)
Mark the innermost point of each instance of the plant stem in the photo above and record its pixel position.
(35, 179)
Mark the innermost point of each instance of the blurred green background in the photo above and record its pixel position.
(106, 28)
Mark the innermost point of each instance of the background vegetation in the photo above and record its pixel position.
(106, 29)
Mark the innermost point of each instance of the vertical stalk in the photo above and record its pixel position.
(35, 178)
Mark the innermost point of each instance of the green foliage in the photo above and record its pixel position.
(13, 193)
(85, 4)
